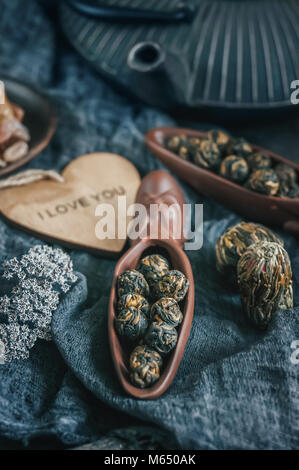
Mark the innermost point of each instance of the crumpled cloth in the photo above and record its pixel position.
(236, 388)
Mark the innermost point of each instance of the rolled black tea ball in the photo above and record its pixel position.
(167, 310)
(264, 181)
(162, 337)
(239, 147)
(259, 160)
(180, 145)
(206, 154)
(287, 179)
(194, 141)
(234, 168)
(286, 171)
(133, 300)
(130, 282)
(153, 268)
(284, 189)
(184, 151)
(265, 278)
(131, 323)
(173, 284)
(220, 138)
(145, 364)
(174, 142)
(235, 241)
(294, 192)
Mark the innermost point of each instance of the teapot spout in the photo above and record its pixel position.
(151, 74)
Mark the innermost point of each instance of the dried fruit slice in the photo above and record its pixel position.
(15, 152)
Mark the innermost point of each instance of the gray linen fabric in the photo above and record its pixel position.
(236, 388)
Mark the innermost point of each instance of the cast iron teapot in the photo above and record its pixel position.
(233, 57)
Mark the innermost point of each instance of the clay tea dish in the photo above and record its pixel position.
(39, 118)
(158, 186)
(265, 209)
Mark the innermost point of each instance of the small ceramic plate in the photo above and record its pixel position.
(39, 118)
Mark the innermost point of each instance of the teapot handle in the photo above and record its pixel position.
(95, 9)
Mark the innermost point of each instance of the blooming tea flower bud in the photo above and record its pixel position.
(264, 277)
(235, 241)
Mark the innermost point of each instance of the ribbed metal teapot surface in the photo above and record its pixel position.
(225, 55)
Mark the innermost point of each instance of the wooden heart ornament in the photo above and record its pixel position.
(65, 213)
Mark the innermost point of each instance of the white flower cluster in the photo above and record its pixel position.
(41, 273)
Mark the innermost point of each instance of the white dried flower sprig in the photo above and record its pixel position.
(41, 273)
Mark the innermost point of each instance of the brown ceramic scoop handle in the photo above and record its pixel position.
(158, 187)
(164, 201)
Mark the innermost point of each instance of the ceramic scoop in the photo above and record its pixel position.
(157, 187)
(255, 206)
